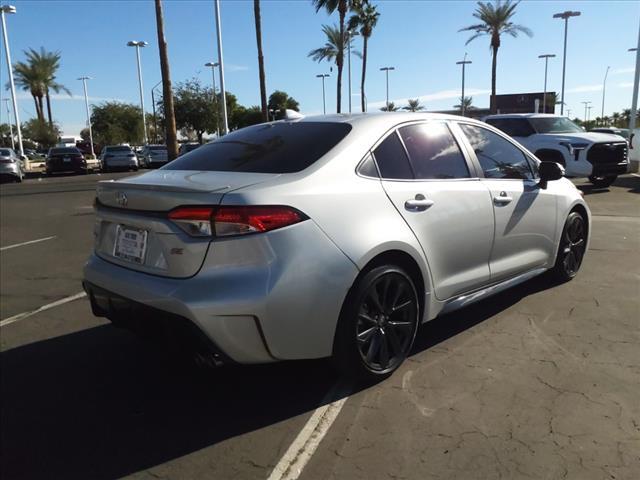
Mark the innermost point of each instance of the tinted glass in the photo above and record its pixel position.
(498, 157)
(554, 125)
(272, 148)
(119, 149)
(392, 160)
(368, 168)
(433, 151)
(68, 150)
(515, 127)
(5, 152)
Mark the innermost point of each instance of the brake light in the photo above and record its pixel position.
(234, 220)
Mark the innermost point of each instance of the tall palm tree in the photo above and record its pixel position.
(414, 105)
(32, 81)
(364, 21)
(467, 102)
(615, 119)
(389, 107)
(336, 41)
(263, 86)
(343, 6)
(171, 135)
(47, 64)
(495, 20)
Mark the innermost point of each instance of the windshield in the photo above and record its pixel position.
(57, 151)
(5, 152)
(118, 149)
(271, 148)
(554, 125)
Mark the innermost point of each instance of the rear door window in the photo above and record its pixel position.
(392, 159)
(433, 152)
(285, 147)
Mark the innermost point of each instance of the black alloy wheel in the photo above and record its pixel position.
(378, 324)
(572, 247)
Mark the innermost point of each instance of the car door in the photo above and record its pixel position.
(525, 214)
(437, 192)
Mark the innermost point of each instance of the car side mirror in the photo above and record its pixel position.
(549, 171)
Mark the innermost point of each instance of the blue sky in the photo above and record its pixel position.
(419, 38)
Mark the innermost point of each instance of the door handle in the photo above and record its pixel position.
(418, 204)
(502, 199)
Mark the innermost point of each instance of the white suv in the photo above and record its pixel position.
(599, 156)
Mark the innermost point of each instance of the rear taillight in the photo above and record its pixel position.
(233, 220)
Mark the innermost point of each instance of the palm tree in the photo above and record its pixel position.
(414, 105)
(615, 119)
(496, 20)
(171, 135)
(336, 42)
(263, 85)
(389, 107)
(342, 6)
(47, 64)
(32, 81)
(467, 102)
(364, 21)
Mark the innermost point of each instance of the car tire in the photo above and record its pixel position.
(571, 249)
(602, 182)
(377, 324)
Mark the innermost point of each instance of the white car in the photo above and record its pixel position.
(599, 156)
(333, 236)
(118, 157)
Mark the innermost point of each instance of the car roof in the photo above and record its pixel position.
(525, 115)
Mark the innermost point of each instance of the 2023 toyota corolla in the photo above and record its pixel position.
(329, 236)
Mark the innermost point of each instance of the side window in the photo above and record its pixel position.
(498, 157)
(392, 160)
(433, 152)
(368, 167)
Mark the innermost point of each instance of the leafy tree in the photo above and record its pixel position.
(364, 21)
(41, 132)
(389, 107)
(5, 135)
(244, 117)
(281, 101)
(414, 105)
(495, 20)
(194, 108)
(117, 122)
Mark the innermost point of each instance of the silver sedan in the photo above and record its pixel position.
(10, 165)
(334, 236)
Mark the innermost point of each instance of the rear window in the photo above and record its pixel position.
(69, 150)
(272, 148)
(5, 152)
(119, 149)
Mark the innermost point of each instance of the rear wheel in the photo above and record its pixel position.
(602, 181)
(572, 248)
(377, 325)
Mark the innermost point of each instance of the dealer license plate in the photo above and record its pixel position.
(130, 244)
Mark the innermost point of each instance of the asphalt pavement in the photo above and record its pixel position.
(541, 381)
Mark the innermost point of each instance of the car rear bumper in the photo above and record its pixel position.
(9, 169)
(267, 297)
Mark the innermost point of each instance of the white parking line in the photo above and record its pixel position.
(300, 451)
(26, 243)
(23, 315)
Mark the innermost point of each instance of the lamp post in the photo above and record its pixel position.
(138, 45)
(464, 62)
(223, 95)
(589, 112)
(13, 143)
(565, 16)
(585, 111)
(634, 100)
(604, 87)
(386, 70)
(86, 104)
(7, 9)
(213, 66)
(546, 57)
(324, 103)
(155, 118)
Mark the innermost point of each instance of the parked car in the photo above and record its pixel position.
(623, 132)
(11, 168)
(118, 157)
(330, 236)
(153, 156)
(65, 160)
(600, 157)
(187, 147)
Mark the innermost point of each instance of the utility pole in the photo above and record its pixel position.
(386, 70)
(139, 45)
(7, 9)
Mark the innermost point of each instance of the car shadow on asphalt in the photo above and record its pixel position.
(101, 404)
(630, 182)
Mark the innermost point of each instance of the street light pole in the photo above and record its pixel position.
(634, 100)
(604, 88)
(565, 16)
(589, 113)
(324, 103)
(386, 70)
(155, 118)
(213, 66)
(3, 10)
(138, 45)
(585, 111)
(13, 143)
(223, 96)
(86, 104)
(546, 57)
(464, 63)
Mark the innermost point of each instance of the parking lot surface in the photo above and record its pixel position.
(541, 381)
